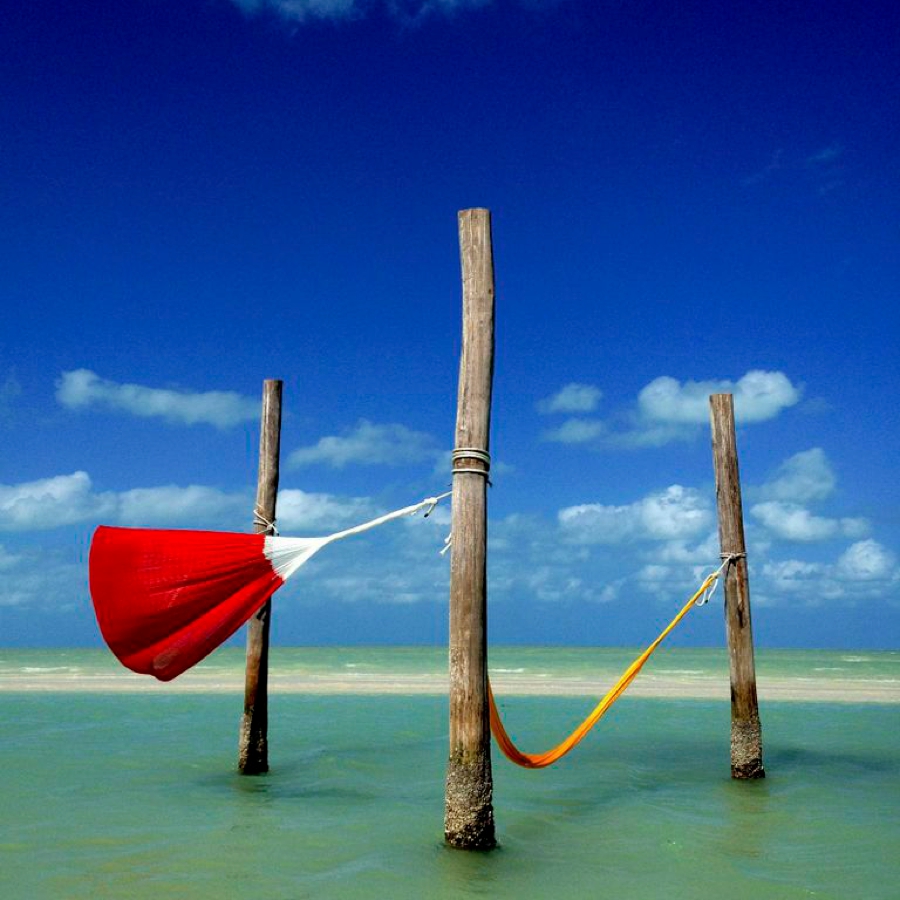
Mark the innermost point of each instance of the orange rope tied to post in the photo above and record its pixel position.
(541, 760)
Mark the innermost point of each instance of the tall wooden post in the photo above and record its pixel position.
(746, 730)
(253, 745)
(469, 812)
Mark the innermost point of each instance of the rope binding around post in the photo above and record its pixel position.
(461, 453)
(260, 519)
(727, 560)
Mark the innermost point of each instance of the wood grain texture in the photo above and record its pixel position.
(746, 729)
(469, 817)
(253, 742)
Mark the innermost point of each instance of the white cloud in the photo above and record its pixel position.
(575, 431)
(632, 556)
(792, 522)
(42, 579)
(653, 434)
(668, 410)
(794, 576)
(551, 583)
(69, 499)
(300, 10)
(8, 560)
(865, 570)
(397, 564)
(827, 155)
(368, 444)
(383, 583)
(527, 559)
(867, 561)
(50, 502)
(191, 506)
(657, 579)
(675, 513)
(679, 551)
(795, 523)
(82, 389)
(802, 477)
(573, 398)
(320, 513)
(644, 550)
(303, 10)
(758, 396)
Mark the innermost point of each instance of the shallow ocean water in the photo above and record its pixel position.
(135, 795)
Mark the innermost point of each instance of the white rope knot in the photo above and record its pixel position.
(260, 519)
(727, 560)
(460, 453)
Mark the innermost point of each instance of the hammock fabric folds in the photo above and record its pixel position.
(166, 599)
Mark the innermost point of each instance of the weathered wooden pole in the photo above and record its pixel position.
(253, 745)
(746, 730)
(469, 811)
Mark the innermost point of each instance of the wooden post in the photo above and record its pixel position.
(746, 730)
(469, 812)
(253, 745)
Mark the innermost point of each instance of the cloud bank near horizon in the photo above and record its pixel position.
(60, 500)
(659, 544)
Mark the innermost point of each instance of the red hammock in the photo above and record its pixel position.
(166, 599)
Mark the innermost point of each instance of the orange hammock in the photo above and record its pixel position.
(540, 760)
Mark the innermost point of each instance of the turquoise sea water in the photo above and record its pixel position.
(135, 795)
(556, 664)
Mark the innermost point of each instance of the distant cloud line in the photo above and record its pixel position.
(676, 512)
(662, 540)
(666, 409)
(659, 541)
(69, 499)
(406, 10)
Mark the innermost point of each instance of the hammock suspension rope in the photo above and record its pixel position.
(542, 760)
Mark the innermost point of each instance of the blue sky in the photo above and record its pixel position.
(200, 194)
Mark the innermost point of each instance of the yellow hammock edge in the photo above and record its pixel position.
(540, 760)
